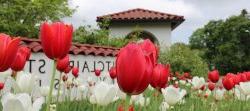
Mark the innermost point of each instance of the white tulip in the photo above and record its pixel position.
(182, 82)
(174, 78)
(245, 87)
(198, 82)
(219, 94)
(5, 75)
(208, 92)
(140, 100)
(164, 106)
(25, 82)
(44, 90)
(239, 94)
(103, 94)
(173, 95)
(83, 91)
(21, 102)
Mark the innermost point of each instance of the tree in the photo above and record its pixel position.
(183, 59)
(225, 43)
(23, 17)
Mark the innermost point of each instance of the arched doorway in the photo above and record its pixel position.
(142, 34)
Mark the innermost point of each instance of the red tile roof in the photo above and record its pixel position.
(139, 14)
(76, 49)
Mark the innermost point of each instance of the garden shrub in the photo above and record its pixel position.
(183, 59)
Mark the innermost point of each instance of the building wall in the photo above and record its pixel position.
(42, 66)
(162, 31)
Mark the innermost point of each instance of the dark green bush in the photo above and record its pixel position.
(183, 59)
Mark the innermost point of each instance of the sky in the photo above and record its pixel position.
(196, 12)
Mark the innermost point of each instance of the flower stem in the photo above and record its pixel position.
(128, 101)
(51, 86)
(59, 88)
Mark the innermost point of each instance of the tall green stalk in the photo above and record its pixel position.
(51, 86)
(59, 88)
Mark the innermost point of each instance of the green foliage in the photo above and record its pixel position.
(225, 43)
(22, 17)
(88, 35)
(183, 59)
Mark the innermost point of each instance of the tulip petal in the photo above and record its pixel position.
(10, 53)
(37, 105)
(47, 36)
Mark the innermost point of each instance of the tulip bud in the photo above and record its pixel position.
(97, 72)
(75, 72)
(112, 72)
(8, 48)
(228, 82)
(56, 39)
(214, 76)
(1, 85)
(62, 64)
(23, 54)
(211, 86)
(67, 70)
(134, 66)
(160, 76)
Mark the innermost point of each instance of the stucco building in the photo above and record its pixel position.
(154, 25)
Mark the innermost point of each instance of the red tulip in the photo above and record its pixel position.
(187, 75)
(67, 70)
(1, 85)
(228, 82)
(121, 108)
(211, 86)
(247, 75)
(242, 77)
(203, 88)
(62, 64)
(75, 72)
(134, 69)
(8, 51)
(97, 72)
(214, 76)
(160, 76)
(112, 72)
(22, 56)
(149, 48)
(56, 39)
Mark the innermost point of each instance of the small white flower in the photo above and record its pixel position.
(25, 82)
(198, 82)
(182, 82)
(44, 90)
(245, 87)
(140, 100)
(173, 95)
(239, 94)
(83, 91)
(174, 78)
(21, 102)
(219, 94)
(5, 75)
(103, 94)
(208, 92)
(164, 106)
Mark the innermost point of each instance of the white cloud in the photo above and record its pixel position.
(196, 12)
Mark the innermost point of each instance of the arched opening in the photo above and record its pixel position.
(142, 34)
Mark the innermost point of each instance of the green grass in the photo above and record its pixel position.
(192, 103)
